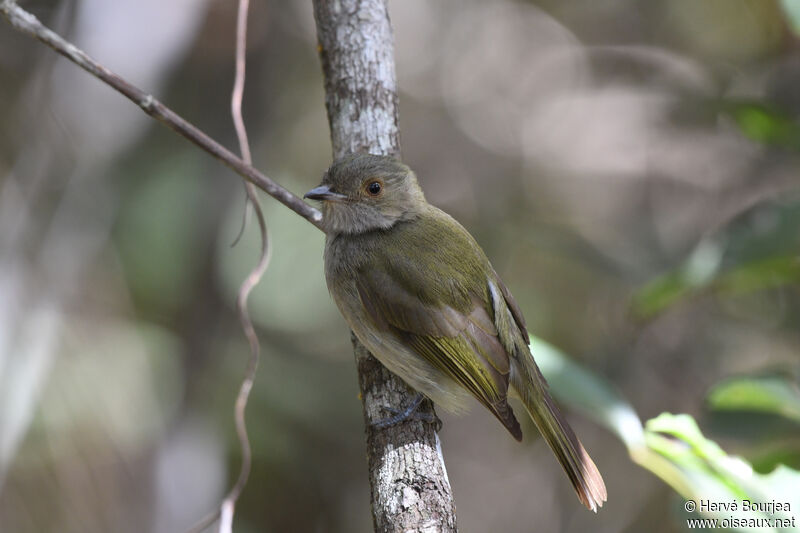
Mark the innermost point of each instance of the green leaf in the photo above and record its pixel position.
(763, 274)
(696, 273)
(763, 124)
(765, 439)
(699, 470)
(660, 294)
(777, 394)
(673, 448)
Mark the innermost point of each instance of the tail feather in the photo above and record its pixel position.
(558, 434)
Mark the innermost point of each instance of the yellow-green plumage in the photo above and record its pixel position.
(420, 294)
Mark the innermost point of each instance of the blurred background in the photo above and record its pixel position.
(632, 169)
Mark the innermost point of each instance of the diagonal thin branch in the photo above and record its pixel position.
(418, 449)
(28, 24)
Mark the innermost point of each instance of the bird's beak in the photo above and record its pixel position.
(323, 192)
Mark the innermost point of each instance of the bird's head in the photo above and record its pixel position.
(364, 192)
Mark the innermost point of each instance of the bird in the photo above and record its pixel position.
(419, 292)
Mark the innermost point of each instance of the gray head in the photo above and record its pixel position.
(364, 192)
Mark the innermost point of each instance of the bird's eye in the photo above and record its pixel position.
(374, 188)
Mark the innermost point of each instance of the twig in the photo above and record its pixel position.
(28, 24)
(229, 504)
(227, 508)
(238, 84)
(416, 447)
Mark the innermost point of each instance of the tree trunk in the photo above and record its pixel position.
(410, 489)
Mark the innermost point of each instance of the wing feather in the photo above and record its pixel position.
(464, 345)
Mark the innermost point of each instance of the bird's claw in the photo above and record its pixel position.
(409, 413)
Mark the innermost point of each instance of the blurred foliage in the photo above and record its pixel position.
(672, 446)
(631, 169)
(792, 10)
(762, 124)
(769, 404)
(151, 217)
(771, 393)
(698, 469)
(588, 394)
(759, 249)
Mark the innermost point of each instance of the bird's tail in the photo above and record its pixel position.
(588, 483)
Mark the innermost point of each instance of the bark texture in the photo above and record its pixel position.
(409, 486)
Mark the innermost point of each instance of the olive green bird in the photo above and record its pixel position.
(420, 294)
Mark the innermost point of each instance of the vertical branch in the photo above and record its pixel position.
(410, 489)
(409, 486)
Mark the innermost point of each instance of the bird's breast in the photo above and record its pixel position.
(345, 258)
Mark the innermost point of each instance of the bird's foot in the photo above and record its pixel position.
(409, 413)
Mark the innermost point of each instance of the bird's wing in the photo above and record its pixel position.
(516, 312)
(456, 334)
